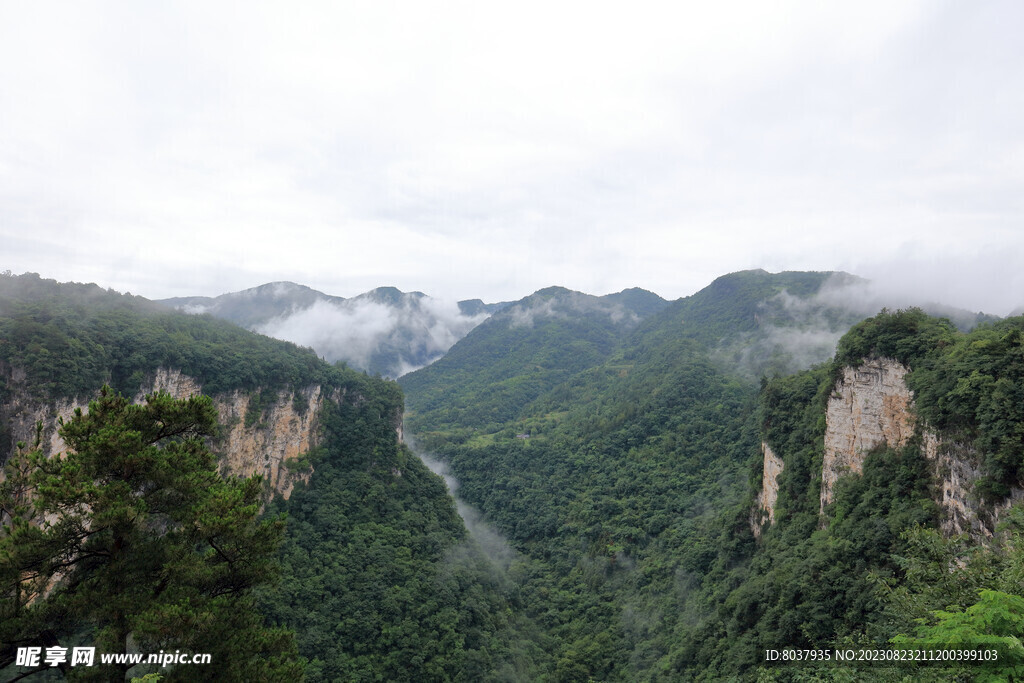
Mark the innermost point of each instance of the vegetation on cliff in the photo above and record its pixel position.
(967, 386)
(885, 574)
(132, 541)
(625, 485)
(380, 580)
(623, 482)
(615, 443)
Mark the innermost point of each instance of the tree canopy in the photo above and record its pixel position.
(132, 541)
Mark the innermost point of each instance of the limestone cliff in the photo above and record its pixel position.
(285, 428)
(769, 494)
(955, 465)
(870, 406)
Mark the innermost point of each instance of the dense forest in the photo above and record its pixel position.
(630, 499)
(615, 446)
(374, 574)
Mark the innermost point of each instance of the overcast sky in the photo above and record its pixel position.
(487, 150)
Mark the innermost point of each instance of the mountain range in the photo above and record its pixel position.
(383, 331)
(389, 332)
(647, 490)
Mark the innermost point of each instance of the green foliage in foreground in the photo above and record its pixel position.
(994, 623)
(381, 581)
(629, 505)
(132, 539)
(960, 595)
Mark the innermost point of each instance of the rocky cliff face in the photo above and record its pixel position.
(765, 504)
(872, 406)
(957, 468)
(955, 465)
(285, 428)
(869, 407)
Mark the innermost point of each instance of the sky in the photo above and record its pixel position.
(487, 150)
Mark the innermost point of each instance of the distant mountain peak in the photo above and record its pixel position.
(277, 290)
(389, 295)
(554, 290)
(383, 331)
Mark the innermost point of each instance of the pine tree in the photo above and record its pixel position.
(135, 542)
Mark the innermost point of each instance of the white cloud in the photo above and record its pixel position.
(361, 332)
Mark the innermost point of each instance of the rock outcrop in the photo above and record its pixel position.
(870, 406)
(957, 470)
(286, 427)
(280, 437)
(765, 504)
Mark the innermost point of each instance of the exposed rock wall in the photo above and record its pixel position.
(286, 428)
(23, 415)
(870, 406)
(955, 465)
(173, 382)
(769, 494)
(281, 435)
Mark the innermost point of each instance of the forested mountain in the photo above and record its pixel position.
(410, 598)
(628, 482)
(876, 559)
(383, 331)
(682, 486)
(634, 476)
(255, 306)
(521, 352)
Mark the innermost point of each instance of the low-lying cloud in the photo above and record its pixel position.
(376, 336)
(525, 314)
(491, 542)
(798, 332)
(984, 277)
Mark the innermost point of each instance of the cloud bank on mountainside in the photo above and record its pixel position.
(376, 336)
(796, 332)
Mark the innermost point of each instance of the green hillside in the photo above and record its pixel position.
(377, 577)
(878, 564)
(522, 351)
(70, 339)
(627, 483)
(615, 444)
(633, 486)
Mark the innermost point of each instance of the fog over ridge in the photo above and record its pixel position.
(392, 333)
(796, 332)
(355, 331)
(562, 303)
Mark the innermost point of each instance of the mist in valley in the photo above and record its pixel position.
(494, 546)
(376, 336)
